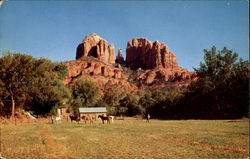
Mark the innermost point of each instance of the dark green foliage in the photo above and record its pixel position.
(85, 93)
(131, 103)
(29, 81)
(222, 88)
(112, 97)
(61, 69)
(160, 103)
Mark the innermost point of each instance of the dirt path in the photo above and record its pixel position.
(55, 151)
(49, 142)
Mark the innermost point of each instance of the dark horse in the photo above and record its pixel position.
(107, 118)
(74, 117)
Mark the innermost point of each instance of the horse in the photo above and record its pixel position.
(73, 117)
(56, 119)
(147, 117)
(85, 118)
(107, 118)
(112, 118)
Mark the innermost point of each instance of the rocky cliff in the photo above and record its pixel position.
(142, 53)
(156, 65)
(148, 65)
(95, 46)
(102, 74)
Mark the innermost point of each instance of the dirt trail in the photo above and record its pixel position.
(49, 142)
(55, 151)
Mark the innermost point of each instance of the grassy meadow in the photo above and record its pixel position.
(127, 139)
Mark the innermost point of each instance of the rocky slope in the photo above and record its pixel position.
(102, 74)
(156, 65)
(147, 65)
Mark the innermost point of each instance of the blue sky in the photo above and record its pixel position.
(53, 29)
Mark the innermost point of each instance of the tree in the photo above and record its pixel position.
(14, 68)
(85, 93)
(131, 102)
(112, 97)
(27, 80)
(146, 101)
(220, 76)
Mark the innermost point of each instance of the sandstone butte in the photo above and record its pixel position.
(96, 46)
(95, 61)
(142, 53)
(149, 65)
(159, 63)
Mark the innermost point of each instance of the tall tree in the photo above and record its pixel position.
(220, 76)
(112, 96)
(14, 69)
(26, 79)
(131, 103)
(85, 93)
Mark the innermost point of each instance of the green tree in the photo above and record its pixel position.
(61, 69)
(85, 93)
(131, 102)
(14, 68)
(146, 101)
(26, 80)
(112, 96)
(220, 76)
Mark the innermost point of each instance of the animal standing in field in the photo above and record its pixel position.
(74, 118)
(56, 119)
(88, 118)
(148, 117)
(112, 118)
(105, 118)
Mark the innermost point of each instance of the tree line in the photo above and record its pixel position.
(221, 90)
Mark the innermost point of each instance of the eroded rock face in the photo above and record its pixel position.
(161, 76)
(98, 72)
(95, 46)
(142, 53)
(153, 65)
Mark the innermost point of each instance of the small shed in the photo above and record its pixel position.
(92, 111)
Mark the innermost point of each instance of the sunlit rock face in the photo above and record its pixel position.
(95, 46)
(158, 62)
(142, 53)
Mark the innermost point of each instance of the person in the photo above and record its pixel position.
(148, 117)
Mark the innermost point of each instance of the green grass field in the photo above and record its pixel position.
(128, 139)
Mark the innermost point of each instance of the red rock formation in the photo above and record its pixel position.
(98, 72)
(119, 59)
(161, 75)
(147, 55)
(95, 46)
(156, 65)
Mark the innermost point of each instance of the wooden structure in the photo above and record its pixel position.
(92, 111)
